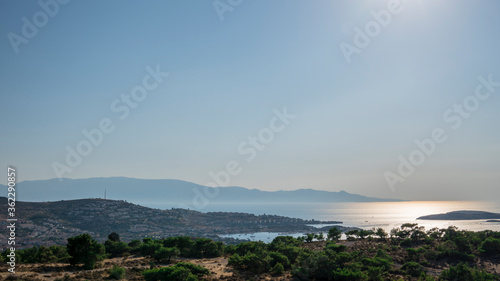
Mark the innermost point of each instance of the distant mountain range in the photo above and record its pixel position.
(169, 192)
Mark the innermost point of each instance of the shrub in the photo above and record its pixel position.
(490, 246)
(278, 269)
(412, 268)
(43, 254)
(383, 255)
(282, 241)
(229, 249)
(279, 258)
(253, 263)
(407, 242)
(377, 262)
(258, 248)
(134, 244)
(206, 248)
(116, 248)
(348, 274)
(117, 273)
(183, 243)
(180, 272)
(463, 272)
(149, 247)
(337, 248)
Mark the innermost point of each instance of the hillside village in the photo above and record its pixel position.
(50, 223)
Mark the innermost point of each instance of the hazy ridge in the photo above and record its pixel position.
(177, 193)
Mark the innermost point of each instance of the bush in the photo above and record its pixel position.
(348, 274)
(43, 254)
(407, 242)
(116, 248)
(412, 268)
(180, 272)
(279, 258)
(383, 255)
(337, 248)
(183, 243)
(117, 273)
(490, 246)
(250, 262)
(463, 272)
(282, 241)
(149, 247)
(291, 252)
(230, 249)
(206, 248)
(258, 248)
(134, 244)
(278, 269)
(377, 262)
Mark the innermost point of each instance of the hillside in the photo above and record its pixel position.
(171, 193)
(44, 223)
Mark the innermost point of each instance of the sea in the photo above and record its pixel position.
(366, 215)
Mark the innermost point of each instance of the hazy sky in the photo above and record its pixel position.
(232, 66)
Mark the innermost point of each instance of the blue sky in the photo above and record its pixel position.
(353, 120)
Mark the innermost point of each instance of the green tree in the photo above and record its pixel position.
(320, 236)
(116, 248)
(334, 234)
(363, 233)
(134, 244)
(206, 248)
(279, 258)
(412, 268)
(113, 236)
(85, 250)
(352, 233)
(381, 233)
(309, 237)
(164, 254)
(149, 247)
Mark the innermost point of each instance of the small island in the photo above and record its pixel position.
(462, 215)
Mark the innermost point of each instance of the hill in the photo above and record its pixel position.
(46, 223)
(171, 193)
(462, 215)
